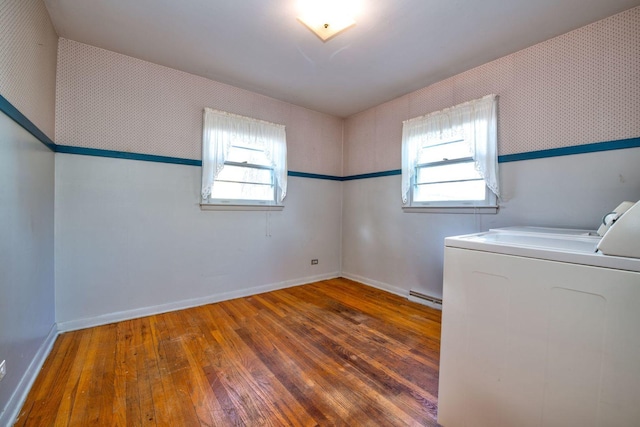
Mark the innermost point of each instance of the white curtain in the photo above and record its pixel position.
(475, 121)
(221, 129)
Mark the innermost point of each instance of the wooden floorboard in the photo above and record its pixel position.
(329, 353)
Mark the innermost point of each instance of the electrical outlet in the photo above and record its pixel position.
(314, 262)
(3, 369)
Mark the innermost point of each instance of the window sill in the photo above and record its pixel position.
(452, 209)
(226, 207)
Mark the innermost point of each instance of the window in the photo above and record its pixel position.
(445, 172)
(244, 161)
(449, 158)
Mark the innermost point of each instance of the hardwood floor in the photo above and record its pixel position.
(329, 353)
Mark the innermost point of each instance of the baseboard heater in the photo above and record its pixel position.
(425, 299)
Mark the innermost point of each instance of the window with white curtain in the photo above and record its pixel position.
(244, 161)
(449, 157)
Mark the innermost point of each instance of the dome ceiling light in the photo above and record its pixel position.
(327, 18)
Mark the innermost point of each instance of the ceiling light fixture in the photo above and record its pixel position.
(327, 18)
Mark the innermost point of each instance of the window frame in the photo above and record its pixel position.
(489, 200)
(225, 201)
(474, 125)
(238, 131)
(212, 203)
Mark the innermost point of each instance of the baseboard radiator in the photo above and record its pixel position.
(425, 299)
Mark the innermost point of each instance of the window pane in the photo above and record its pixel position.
(235, 191)
(448, 151)
(245, 174)
(454, 172)
(248, 155)
(450, 191)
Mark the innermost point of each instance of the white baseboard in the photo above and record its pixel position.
(106, 319)
(11, 412)
(390, 288)
(377, 284)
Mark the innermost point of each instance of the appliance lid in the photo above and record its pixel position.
(565, 245)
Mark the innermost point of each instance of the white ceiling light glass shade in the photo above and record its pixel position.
(327, 18)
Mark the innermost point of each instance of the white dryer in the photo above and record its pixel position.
(539, 329)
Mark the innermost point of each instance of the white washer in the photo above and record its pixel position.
(538, 330)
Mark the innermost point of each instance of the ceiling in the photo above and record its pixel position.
(396, 46)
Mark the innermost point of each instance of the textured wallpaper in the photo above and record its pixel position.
(579, 88)
(111, 101)
(28, 46)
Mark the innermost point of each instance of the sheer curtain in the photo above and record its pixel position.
(221, 130)
(475, 121)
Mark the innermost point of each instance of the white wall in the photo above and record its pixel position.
(27, 80)
(579, 88)
(398, 251)
(131, 240)
(26, 259)
(130, 236)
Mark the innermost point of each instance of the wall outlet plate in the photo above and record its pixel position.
(3, 369)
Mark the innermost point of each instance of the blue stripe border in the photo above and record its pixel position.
(11, 111)
(314, 176)
(68, 149)
(373, 175)
(576, 149)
